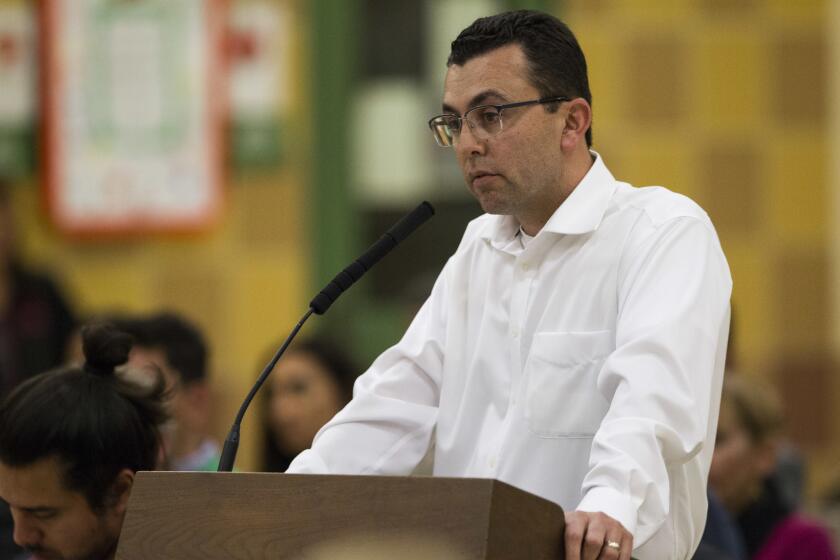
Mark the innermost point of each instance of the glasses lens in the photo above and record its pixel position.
(486, 120)
(445, 128)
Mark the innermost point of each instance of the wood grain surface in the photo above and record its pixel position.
(263, 515)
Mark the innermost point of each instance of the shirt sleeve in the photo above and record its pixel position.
(387, 427)
(663, 379)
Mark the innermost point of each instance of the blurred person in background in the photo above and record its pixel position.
(172, 344)
(71, 441)
(742, 477)
(35, 319)
(721, 537)
(74, 354)
(307, 387)
(35, 324)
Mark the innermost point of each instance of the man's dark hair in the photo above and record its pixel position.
(557, 66)
(181, 342)
(92, 420)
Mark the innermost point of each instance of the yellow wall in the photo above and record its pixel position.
(725, 101)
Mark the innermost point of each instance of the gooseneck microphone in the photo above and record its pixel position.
(319, 306)
(388, 241)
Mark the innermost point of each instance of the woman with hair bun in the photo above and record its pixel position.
(71, 441)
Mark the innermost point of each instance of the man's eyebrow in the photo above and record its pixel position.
(39, 509)
(485, 95)
(477, 100)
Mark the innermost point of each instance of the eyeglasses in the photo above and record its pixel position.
(484, 121)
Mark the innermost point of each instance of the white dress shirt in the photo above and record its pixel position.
(584, 365)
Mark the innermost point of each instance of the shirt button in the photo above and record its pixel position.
(525, 267)
(492, 462)
(514, 332)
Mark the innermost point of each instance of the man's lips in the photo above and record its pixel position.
(482, 178)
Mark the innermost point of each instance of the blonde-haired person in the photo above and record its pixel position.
(745, 457)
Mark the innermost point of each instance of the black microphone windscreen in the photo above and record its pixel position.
(344, 279)
(411, 221)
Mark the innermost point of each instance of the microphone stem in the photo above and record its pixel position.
(321, 303)
(232, 440)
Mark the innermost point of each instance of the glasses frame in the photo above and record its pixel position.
(499, 108)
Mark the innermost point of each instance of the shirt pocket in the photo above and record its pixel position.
(561, 397)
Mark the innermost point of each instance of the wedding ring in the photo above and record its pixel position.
(614, 545)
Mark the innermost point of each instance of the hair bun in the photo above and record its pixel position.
(105, 347)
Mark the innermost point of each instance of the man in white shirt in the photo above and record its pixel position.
(573, 346)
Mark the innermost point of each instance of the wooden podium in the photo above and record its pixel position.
(181, 516)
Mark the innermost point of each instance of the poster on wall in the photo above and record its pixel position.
(17, 76)
(259, 58)
(132, 103)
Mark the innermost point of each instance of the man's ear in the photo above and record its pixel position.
(577, 122)
(120, 490)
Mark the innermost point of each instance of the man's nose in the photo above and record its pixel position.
(26, 534)
(468, 143)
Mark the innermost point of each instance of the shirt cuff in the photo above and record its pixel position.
(613, 503)
(308, 462)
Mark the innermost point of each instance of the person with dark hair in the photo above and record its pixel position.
(35, 319)
(172, 344)
(312, 382)
(35, 323)
(554, 62)
(71, 441)
(574, 344)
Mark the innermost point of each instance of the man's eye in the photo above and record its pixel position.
(490, 117)
(452, 124)
(45, 515)
(298, 388)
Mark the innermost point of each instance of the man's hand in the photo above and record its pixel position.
(589, 536)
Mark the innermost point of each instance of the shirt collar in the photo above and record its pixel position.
(581, 212)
